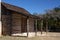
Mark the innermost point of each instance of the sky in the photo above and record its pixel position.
(35, 6)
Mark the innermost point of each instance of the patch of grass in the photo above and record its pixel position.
(33, 38)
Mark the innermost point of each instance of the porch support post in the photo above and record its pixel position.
(27, 27)
(46, 26)
(0, 28)
(41, 26)
(36, 27)
(0, 22)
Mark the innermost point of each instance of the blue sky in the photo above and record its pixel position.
(35, 6)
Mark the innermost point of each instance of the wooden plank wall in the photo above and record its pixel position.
(16, 23)
(31, 24)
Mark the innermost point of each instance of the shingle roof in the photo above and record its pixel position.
(15, 8)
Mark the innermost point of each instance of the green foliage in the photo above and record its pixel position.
(51, 18)
(56, 9)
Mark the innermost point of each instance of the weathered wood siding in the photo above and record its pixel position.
(23, 24)
(19, 23)
(6, 24)
(16, 23)
(31, 24)
(13, 23)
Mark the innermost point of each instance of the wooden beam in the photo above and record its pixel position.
(36, 27)
(27, 27)
(46, 26)
(41, 26)
(0, 23)
(0, 28)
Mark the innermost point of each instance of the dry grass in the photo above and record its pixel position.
(33, 38)
(52, 36)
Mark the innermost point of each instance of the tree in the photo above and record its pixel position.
(53, 17)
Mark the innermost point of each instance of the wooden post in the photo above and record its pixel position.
(46, 26)
(36, 27)
(27, 27)
(41, 26)
(0, 22)
(0, 28)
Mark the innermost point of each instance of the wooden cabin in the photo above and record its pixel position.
(15, 20)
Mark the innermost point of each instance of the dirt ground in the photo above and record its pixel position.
(50, 36)
(33, 38)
